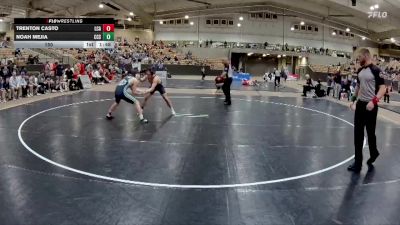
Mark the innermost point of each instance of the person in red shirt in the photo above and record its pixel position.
(82, 68)
(219, 81)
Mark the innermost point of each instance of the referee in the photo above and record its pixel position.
(369, 90)
(226, 87)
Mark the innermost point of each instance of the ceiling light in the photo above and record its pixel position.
(239, 25)
(376, 6)
(392, 40)
(131, 13)
(371, 8)
(347, 29)
(292, 28)
(250, 53)
(302, 23)
(267, 54)
(101, 5)
(241, 18)
(129, 19)
(283, 55)
(279, 56)
(300, 57)
(363, 38)
(333, 33)
(161, 22)
(186, 17)
(191, 23)
(1, 20)
(264, 55)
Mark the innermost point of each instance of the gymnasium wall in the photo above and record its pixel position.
(146, 36)
(255, 31)
(326, 60)
(4, 27)
(215, 53)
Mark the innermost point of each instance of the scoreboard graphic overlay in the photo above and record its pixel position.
(63, 33)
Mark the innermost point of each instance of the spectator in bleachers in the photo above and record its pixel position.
(3, 90)
(41, 84)
(33, 85)
(15, 86)
(59, 68)
(22, 70)
(49, 84)
(6, 72)
(24, 84)
(47, 69)
(69, 74)
(30, 60)
(345, 89)
(2, 73)
(96, 76)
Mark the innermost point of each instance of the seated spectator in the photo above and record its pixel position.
(69, 74)
(308, 86)
(33, 85)
(319, 92)
(6, 72)
(30, 60)
(345, 89)
(23, 70)
(41, 86)
(49, 84)
(104, 79)
(3, 91)
(24, 84)
(15, 86)
(96, 76)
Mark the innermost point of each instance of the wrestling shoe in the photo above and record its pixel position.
(354, 168)
(372, 159)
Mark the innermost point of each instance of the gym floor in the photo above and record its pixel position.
(263, 160)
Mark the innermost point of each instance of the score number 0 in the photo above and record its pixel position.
(106, 28)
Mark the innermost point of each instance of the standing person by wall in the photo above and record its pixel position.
(370, 89)
(338, 84)
(329, 83)
(203, 72)
(386, 96)
(226, 87)
(277, 77)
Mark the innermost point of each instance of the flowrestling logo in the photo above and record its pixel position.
(377, 15)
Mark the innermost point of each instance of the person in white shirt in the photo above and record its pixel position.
(203, 72)
(96, 76)
(47, 69)
(277, 77)
(226, 88)
(15, 86)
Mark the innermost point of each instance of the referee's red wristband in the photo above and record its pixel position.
(375, 100)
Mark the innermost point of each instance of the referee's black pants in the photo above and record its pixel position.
(226, 88)
(364, 118)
